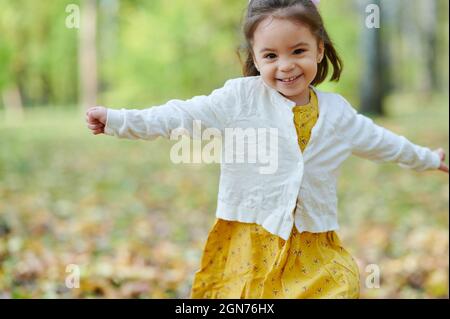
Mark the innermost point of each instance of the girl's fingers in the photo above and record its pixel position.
(442, 154)
(94, 114)
(96, 119)
(92, 127)
(95, 126)
(443, 167)
(94, 122)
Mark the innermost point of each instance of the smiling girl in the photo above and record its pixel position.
(275, 234)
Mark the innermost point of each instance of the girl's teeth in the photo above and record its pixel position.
(289, 80)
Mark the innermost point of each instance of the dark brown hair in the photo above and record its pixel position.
(303, 11)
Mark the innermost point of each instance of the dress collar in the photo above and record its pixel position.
(311, 104)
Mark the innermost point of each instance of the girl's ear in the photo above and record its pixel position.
(320, 52)
(254, 62)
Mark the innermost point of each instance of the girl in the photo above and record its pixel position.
(274, 236)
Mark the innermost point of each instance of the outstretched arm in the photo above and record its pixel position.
(371, 141)
(213, 111)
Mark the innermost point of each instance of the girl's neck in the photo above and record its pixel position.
(302, 99)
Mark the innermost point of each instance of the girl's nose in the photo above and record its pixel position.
(286, 66)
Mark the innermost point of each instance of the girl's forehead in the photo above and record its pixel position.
(281, 31)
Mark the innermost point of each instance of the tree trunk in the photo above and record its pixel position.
(372, 86)
(13, 104)
(429, 39)
(87, 54)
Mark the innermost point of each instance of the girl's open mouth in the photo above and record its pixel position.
(288, 81)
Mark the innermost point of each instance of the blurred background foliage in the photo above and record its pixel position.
(136, 223)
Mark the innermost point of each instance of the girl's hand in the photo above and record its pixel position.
(96, 119)
(443, 166)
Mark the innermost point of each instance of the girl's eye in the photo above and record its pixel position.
(273, 56)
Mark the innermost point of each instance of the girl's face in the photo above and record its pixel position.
(286, 55)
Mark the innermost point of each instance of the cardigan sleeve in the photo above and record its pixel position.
(186, 116)
(371, 141)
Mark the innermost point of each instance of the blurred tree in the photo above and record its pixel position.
(108, 30)
(429, 25)
(373, 89)
(38, 56)
(10, 66)
(87, 54)
(151, 51)
(171, 50)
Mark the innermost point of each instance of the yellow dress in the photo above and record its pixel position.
(243, 260)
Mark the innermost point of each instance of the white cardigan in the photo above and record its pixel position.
(302, 183)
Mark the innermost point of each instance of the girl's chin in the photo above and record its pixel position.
(295, 95)
(289, 90)
(292, 92)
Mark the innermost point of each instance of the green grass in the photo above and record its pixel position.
(136, 224)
